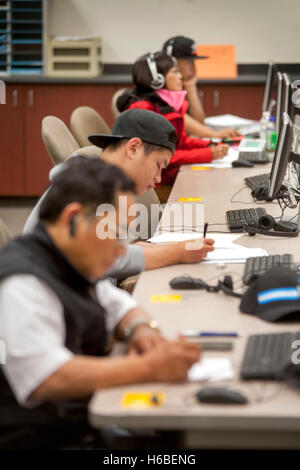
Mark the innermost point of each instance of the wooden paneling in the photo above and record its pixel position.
(11, 143)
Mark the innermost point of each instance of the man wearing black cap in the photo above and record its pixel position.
(142, 143)
(184, 49)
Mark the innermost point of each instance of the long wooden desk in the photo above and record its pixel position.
(272, 418)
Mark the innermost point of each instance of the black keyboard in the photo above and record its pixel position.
(259, 265)
(266, 356)
(254, 181)
(239, 219)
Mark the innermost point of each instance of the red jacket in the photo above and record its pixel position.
(188, 149)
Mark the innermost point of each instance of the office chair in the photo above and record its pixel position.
(115, 96)
(85, 121)
(58, 140)
(4, 234)
(88, 151)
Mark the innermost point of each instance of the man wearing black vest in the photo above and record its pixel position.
(53, 322)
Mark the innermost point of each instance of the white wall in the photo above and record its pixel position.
(260, 29)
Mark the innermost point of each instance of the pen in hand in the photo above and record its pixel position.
(204, 232)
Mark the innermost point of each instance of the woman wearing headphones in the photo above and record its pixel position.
(159, 89)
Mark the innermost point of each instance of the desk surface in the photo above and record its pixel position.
(272, 418)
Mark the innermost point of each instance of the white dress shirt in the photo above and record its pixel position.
(32, 327)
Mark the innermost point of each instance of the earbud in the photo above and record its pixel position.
(72, 226)
(266, 222)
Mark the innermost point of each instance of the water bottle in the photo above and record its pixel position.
(271, 136)
(263, 124)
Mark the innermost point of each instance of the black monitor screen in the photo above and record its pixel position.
(279, 102)
(287, 92)
(281, 157)
(270, 83)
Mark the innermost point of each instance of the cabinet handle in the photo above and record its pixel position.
(15, 98)
(31, 98)
(216, 98)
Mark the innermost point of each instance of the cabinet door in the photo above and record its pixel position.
(59, 101)
(241, 100)
(11, 143)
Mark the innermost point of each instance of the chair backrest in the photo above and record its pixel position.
(4, 234)
(85, 121)
(58, 140)
(115, 96)
(88, 151)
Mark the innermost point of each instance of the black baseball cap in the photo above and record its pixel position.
(274, 296)
(150, 127)
(182, 48)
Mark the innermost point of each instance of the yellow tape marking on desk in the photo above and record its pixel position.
(189, 199)
(165, 298)
(142, 399)
(195, 168)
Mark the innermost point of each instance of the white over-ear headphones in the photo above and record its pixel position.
(158, 80)
(169, 50)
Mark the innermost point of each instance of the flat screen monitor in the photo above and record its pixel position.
(270, 83)
(281, 156)
(287, 92)
(279, 102)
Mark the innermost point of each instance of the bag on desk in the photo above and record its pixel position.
(274, 296)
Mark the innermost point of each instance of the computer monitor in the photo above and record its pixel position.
(287, 96)
(269, 87)
(279, 102)
(281, 157)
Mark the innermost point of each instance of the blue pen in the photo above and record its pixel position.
(195, 333)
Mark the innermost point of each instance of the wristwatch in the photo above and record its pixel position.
(131, 327)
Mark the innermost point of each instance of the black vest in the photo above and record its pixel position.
(84, 317)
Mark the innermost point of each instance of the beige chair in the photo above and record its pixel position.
(115, 96)
(4, 235)
(85, 121)
(58, 140)
(89, 151)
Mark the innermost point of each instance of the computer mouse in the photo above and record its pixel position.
(185, 282)
(221, 395)
(242, 164)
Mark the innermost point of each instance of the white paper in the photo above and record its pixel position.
(211, 368)
(233, 255)
(225, 162)
(221, 239)
(228, 120)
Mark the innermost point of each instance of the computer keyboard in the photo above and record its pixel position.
(253, 150)
(267, 355)
(259, 265)
(239, 219)
(254, 181)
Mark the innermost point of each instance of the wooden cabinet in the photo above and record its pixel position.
(24, 161)
(243, 100)
(12, 162)
(59, 101)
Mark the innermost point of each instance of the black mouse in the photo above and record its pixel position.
(243, 163)
(185, 282)
(221, 395)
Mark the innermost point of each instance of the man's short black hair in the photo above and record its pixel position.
(87, 180)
